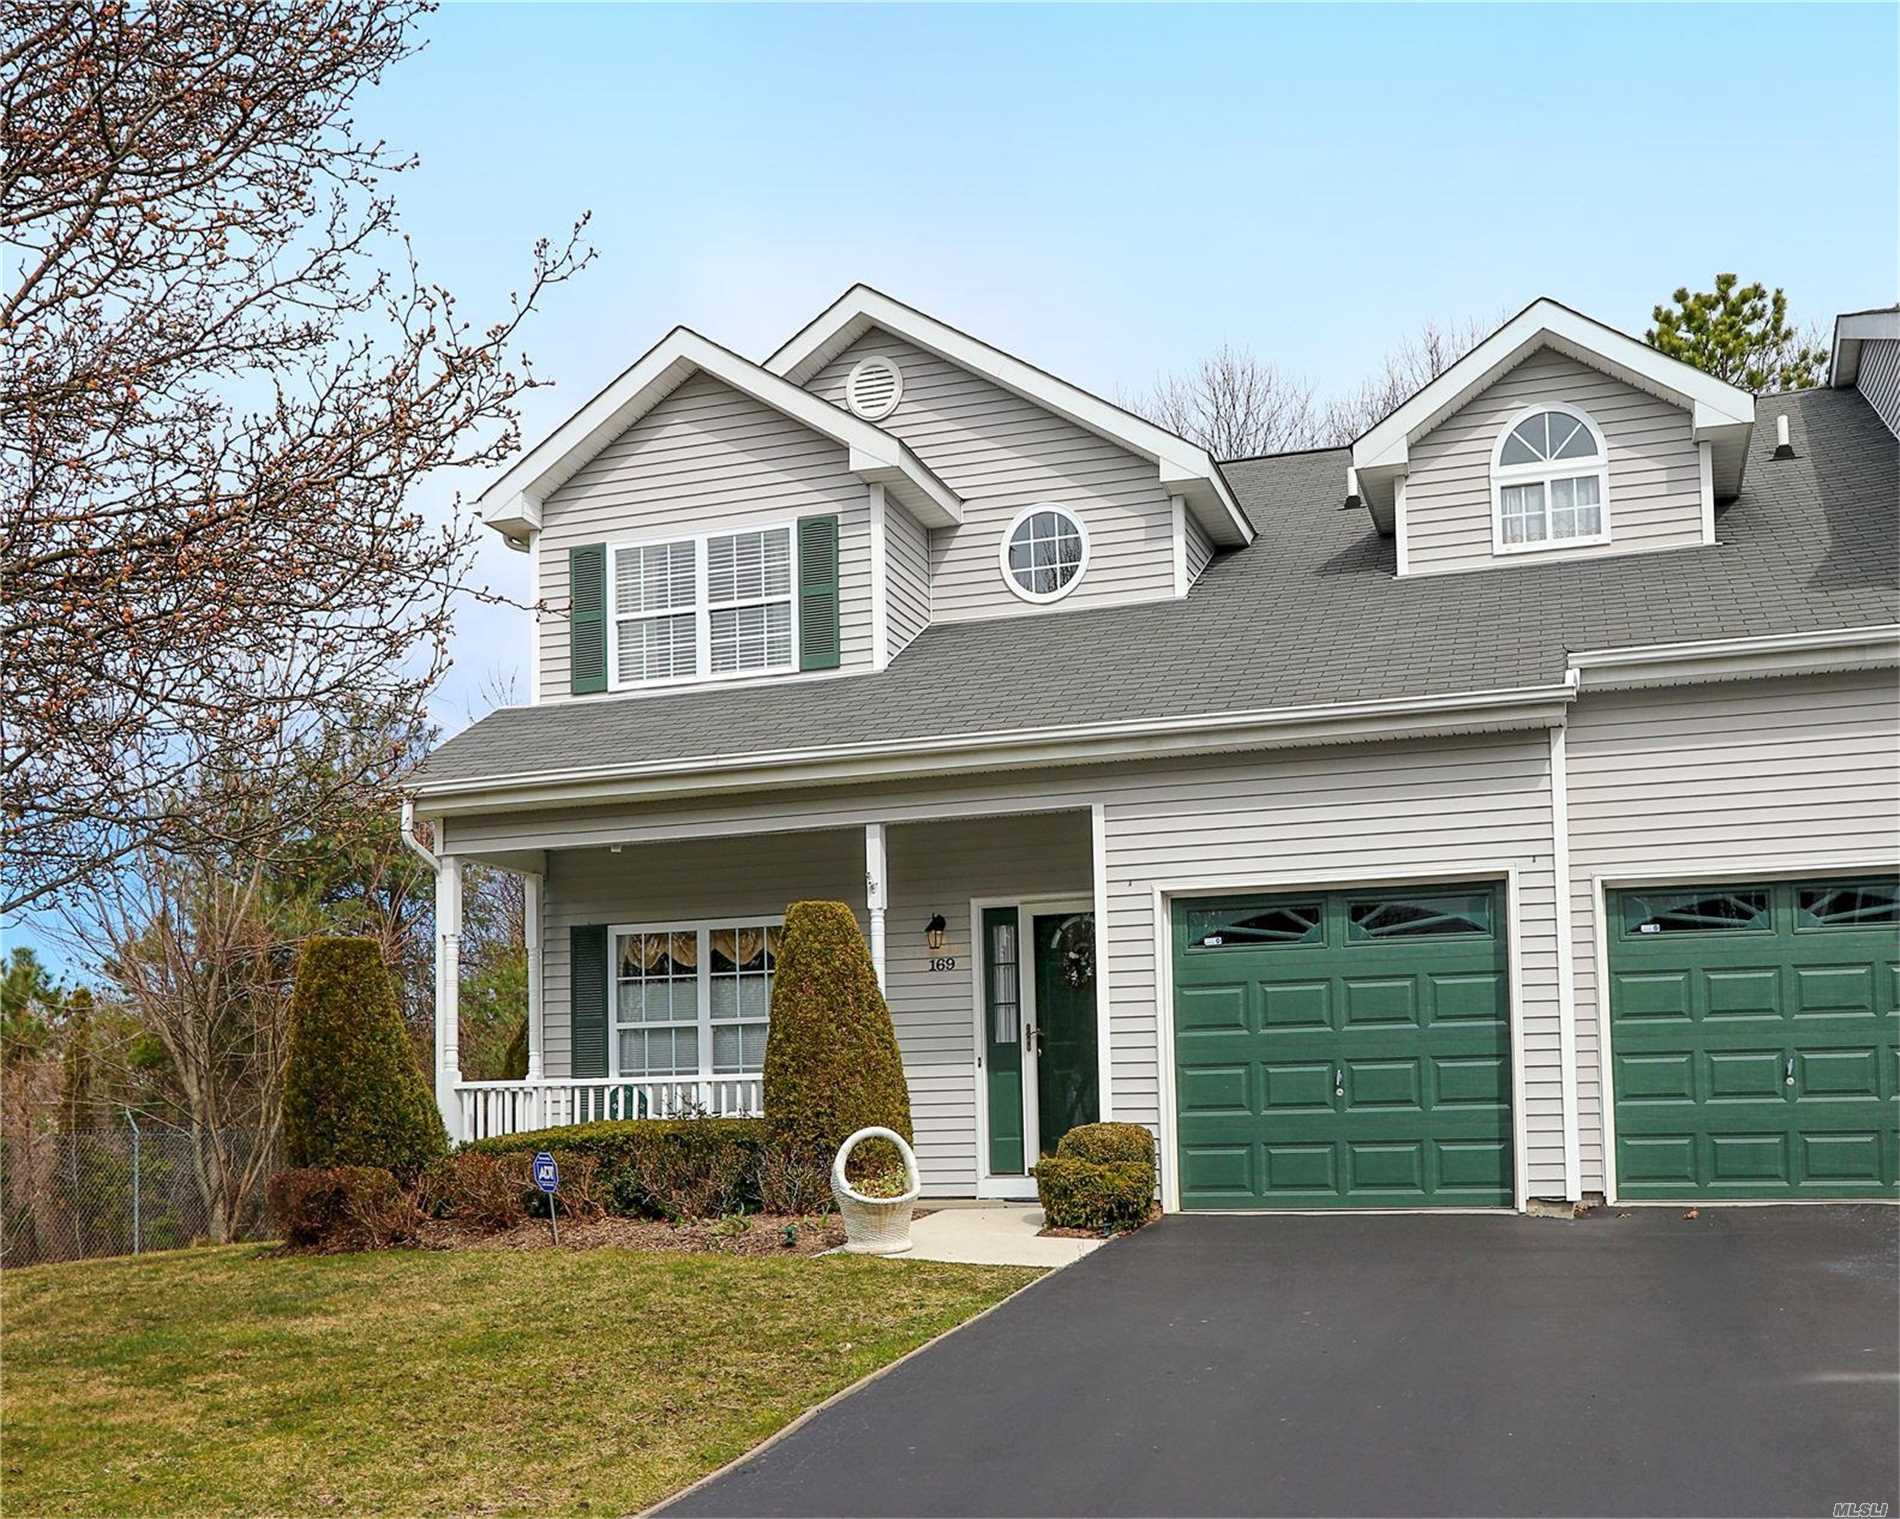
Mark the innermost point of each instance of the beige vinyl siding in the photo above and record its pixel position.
(1681, 783)
(1294, 816)
(706, 459)
(907, 551)
(1200, 547)
(1001, 453)
(1655, 469)
(933, 867)
(1878, 379)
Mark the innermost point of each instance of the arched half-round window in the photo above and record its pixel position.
(1044, 553)
(1550, 481)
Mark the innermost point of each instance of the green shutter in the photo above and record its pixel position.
(587, 619)
(587, 999)
(818, 593)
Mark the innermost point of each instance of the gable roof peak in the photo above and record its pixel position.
(511, 503)
(1182, 467)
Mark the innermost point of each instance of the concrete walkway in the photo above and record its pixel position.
(1004, 1234)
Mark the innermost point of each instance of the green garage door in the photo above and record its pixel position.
(1343, 1050)
(1753, 1039)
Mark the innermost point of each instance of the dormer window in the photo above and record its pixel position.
(1550, 482)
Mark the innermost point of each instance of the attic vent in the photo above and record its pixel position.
(874, 387)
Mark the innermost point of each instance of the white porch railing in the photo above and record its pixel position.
(491, 1108)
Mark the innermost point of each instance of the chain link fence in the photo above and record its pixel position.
(123, 1191)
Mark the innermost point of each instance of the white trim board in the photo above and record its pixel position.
(1769, 654)
(1720, 413)
(1698, 870)
(512, 503)
(1163, 895)
(1180, 466)
(1347, 722)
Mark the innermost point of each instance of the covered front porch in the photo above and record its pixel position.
(650, 964)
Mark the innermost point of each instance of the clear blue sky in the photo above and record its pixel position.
(1110, 192)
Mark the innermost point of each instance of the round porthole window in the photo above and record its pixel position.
(1045, 553)
(874, 387)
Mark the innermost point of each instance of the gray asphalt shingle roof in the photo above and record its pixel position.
(1310, 613)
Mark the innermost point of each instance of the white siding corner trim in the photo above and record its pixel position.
(1566, 962)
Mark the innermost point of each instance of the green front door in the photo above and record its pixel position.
(1066, 1072)
(1039, 1060)
(1753, 1040)
(1343, 1050)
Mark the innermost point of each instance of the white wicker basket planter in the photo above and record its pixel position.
(875, 1225)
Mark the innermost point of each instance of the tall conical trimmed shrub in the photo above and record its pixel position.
(831, 1060)
(352, 1093)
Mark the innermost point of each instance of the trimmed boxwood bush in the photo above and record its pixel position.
(831, 1061)
(1101, 1177)
(1080, 1194)
(352, 1093)
(656, 1168)
(1109, 1144)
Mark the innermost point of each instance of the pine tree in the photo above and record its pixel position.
(1740, 335)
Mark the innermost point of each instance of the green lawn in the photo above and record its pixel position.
(227, 1381)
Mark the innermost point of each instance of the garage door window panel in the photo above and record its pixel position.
(1255, 927)
(1697, 912)
(1419, 917)
(1853, 905)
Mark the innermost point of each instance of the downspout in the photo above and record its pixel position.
(409, 836)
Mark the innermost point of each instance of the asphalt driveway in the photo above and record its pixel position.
(1743, 1362)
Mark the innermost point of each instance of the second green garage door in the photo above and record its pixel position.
(1343, 1049)
(1753, 1039)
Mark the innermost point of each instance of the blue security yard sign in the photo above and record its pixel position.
(547, 1176)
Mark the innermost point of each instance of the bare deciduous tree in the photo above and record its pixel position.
(222, 376)
(1234, 405)
(202, 956)
(1408, 368)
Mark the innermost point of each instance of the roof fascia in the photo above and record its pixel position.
(515, 498)
(1851, 329)
(1717, 409)
(1679, 664)
(1183, 468)
(1351, 722)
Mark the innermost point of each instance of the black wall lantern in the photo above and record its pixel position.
(933, 932)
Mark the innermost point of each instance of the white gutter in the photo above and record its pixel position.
(1677, 664)
(1514, 707)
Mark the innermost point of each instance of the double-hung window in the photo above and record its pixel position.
(693, 999)
(1550, 482)
(694, 608)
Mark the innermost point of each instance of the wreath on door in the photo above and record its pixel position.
(1074, 944)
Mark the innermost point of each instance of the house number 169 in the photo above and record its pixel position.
(943, 962)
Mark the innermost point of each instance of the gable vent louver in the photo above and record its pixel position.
(874, 387)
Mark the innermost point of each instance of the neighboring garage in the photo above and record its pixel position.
(1755, 1039)
(1343, 1049)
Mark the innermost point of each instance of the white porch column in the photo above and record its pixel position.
(531, 885)
(875, 895)
(448, 979)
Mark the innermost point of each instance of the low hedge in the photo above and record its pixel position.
(341, 1208)
(657, 1168)
(1102, 1177)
